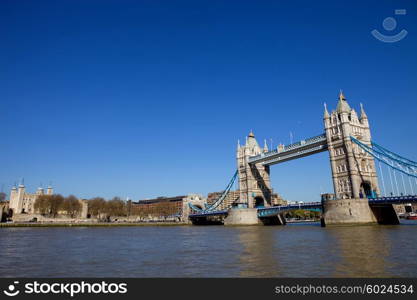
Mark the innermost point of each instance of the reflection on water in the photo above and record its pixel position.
(364, 251)
(257, 258)
(297, 250)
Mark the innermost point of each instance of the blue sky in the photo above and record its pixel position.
(148, 98)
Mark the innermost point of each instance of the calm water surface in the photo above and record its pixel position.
(210, 251)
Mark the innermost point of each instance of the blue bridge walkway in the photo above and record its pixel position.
(265, 212)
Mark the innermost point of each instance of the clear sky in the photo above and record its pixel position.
(148, 98)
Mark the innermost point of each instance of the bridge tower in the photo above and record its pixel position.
(254, 183)
(353, 170)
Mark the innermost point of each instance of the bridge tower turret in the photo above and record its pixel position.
(254, 182)
(353, 170)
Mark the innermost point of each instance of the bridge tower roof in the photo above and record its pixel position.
(251, 141)
(342, 105)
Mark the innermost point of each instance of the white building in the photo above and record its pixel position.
(23, 202)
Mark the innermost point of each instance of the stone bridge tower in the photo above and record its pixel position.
(254, 183)
(353, 170)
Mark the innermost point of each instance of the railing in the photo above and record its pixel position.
(296, 154)
(393, 199)
(300, 144)
(209, 213)
(274, 210)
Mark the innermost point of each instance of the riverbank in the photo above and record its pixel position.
(110, 224)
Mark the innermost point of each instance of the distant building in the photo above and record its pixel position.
(166, 207)
(23, 202)
(230, 198)
(233, 197)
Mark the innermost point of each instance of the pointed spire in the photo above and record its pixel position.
(326, 113)
(342, 105)
(363, 113)
(251, 133)
(238, 144)
(341, 96)
(22, 182)
(265, 146)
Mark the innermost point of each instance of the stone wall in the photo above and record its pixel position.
(357, 211)
(347, 211)
(242, 216)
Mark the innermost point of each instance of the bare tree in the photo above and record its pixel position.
(42, 204)
(71, 205)
(96, 206)
(2, 196)
(116, 207)
(49, 204)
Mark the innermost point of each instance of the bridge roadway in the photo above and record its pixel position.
(297, 150)
(265, 212)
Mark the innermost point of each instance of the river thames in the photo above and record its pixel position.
(294, 250)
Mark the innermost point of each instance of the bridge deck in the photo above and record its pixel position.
(316, 206)
(274, 210)
(393, 200)
(297, 150)
(209, 213)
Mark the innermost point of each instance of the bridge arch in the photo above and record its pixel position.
(259, 201)
(366, 189)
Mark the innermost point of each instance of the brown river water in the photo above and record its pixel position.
(294, 250)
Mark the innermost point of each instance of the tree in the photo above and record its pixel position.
(116, 207)
(96, 206)
(2, 196)
(42, 204)
(129, 207)
(71, 205)
(49, 204)
(55, 204)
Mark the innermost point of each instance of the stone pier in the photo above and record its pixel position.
(242, 216)
(357, 211)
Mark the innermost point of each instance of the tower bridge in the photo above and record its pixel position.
(352, 155)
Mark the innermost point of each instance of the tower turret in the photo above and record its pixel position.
(363, 114)
(326, 112)
(40, 190)
(20, 196)
(265, 147)
(13, 198)
(49, 190)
